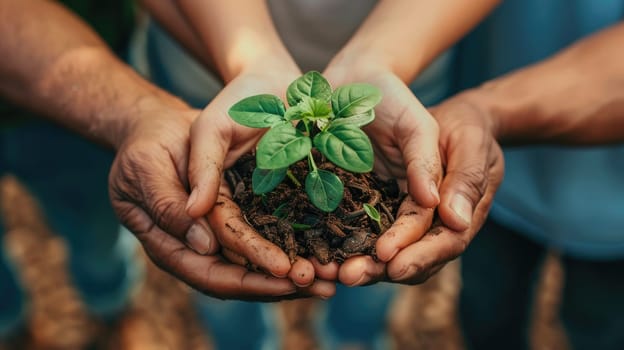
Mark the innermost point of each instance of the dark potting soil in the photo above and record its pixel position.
(287, 218)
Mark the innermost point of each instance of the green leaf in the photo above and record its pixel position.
(265, 180)
(259, 111)
(354, 99)
(372, 212)
(346, 146)
(324, 189)
(311, 84)
(317, 108)
(294, 113)
(358, 120)
(280, 211)
(282, 146)
(309, 108)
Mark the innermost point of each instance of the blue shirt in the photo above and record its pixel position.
(568, 198)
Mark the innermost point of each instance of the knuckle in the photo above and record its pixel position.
(164, 210)
(473, 182)
(460, 245)
(175, 258)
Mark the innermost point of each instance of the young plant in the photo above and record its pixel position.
(327, 120)
(373, 214)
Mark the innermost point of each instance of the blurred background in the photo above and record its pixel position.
(71, 278)
(162, 313)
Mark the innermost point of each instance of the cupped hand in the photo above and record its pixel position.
(149, 192)
(216, 143)
(405, 140)
(474, 168)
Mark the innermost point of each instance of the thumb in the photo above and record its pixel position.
(417, 138)
(464, 185)
(157, 194)
(207, 154)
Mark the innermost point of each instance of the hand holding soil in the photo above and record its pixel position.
(148, 184)
(413, 145)
(322, 201)
(216, 141)
(405, 140)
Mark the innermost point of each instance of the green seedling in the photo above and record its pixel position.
(373, 214)
(318, 118)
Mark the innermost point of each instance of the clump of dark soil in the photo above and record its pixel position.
(286, 217)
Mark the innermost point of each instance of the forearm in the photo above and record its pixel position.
(237, 35)
(406, 35)
(574, 97)
(170, 17)
(54, 64)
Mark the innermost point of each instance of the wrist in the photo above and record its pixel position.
(148, 109)
(272, 65)
(255, 56)
(479, 101)
(351, 65)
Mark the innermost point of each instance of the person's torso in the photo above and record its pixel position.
(569, 198)
(312, 30)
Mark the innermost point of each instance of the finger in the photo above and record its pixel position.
(301, 272)
(236, 235)
(207, 154)
(234, 258)
(158, 193)
(320, 288)
(417, 138)
(466, 179)
(328, 272)
(416, 263)
(361, 270)
(412, 223)
(210, 274)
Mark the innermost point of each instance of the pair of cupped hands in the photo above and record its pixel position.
(167, 178)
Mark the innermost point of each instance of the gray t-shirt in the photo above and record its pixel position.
(312, 30)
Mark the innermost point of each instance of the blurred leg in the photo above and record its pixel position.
(11, 297)
(11, 293)
(357, 316)
(68, 175)
(499, 270)
(592, 309)
(233, 324)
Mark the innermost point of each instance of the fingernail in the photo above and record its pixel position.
(403, 273)
(394, 252)
(199, 239)
(192, 198)
(462, 207)
(279, 275)
(433, 188)
(359, 281)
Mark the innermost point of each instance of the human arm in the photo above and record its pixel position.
(573, 98)
(55, 65)
(389, 54)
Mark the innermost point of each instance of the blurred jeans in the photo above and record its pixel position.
(499, 272)
(12, 301)
(353, 316)
(68, 176)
